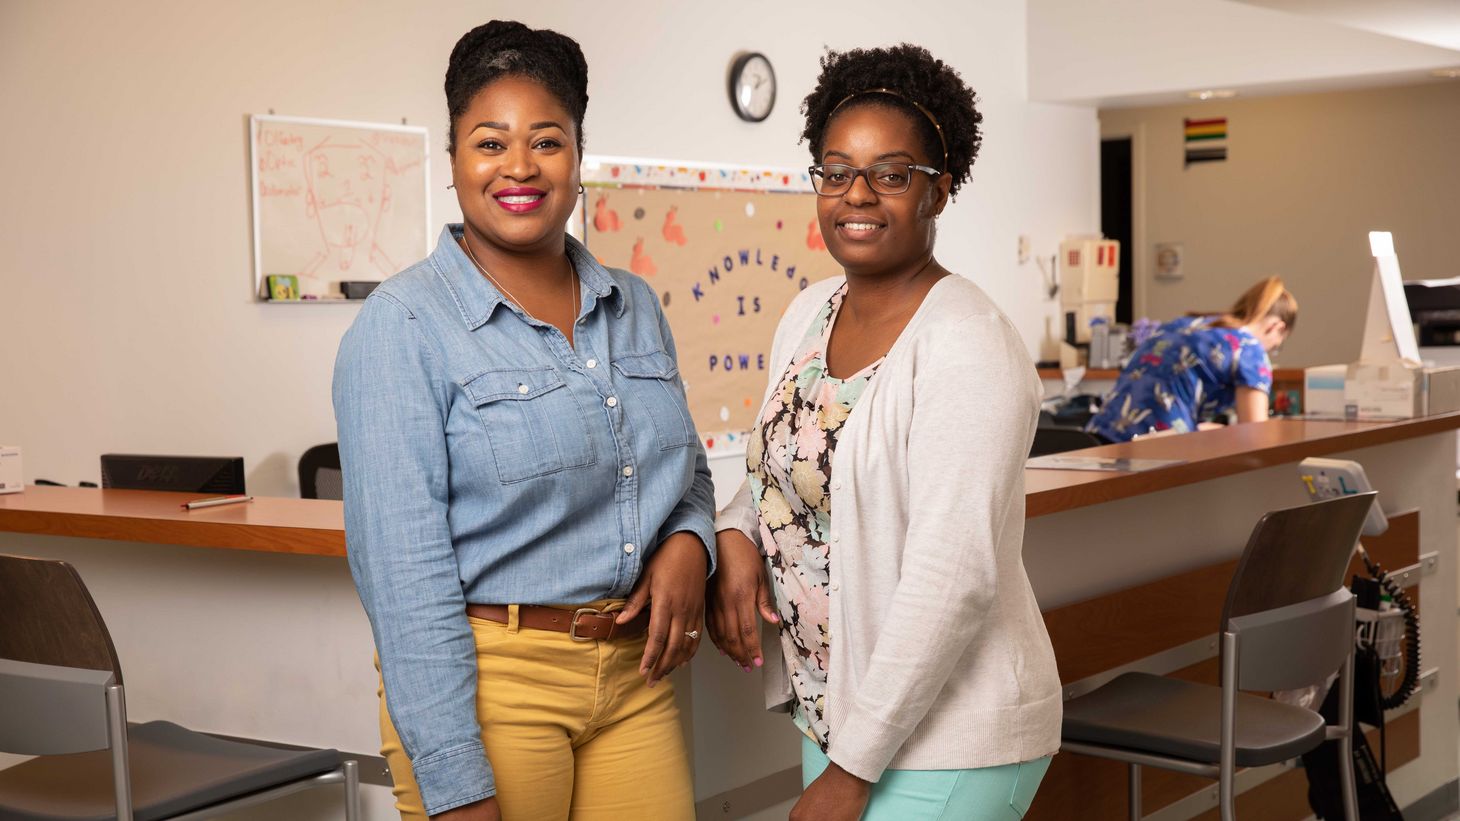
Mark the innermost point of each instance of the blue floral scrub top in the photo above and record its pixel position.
(1187, 372)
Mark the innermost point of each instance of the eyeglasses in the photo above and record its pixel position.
(835, 179)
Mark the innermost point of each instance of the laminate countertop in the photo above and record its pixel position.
(317, 527)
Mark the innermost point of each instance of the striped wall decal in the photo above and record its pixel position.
(1206, 140)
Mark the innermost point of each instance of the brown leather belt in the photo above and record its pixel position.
(582, 624)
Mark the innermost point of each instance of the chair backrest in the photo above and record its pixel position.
(1059, 440)
(319, 473)
(1287, 600)
(1294, 646)
(47, 616)
(56, 660)
(50, 710)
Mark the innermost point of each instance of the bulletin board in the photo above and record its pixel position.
(336, 201)
(726, 248)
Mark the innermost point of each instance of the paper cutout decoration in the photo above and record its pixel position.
(642, 264)
(604, 218)
(814, 240)
(673, 231)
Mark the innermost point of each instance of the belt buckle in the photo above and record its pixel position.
(573, 628)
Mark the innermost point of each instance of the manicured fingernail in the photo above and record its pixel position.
(759, 661)
(745, 668)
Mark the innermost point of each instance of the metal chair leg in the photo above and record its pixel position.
(1227, 799)
(352, 790)
(1135, 792)
(1346, 741)
(116, 716)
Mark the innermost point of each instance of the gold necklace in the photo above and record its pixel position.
(573, 290)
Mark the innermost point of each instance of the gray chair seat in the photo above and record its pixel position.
(1178, 718)
(174, 770)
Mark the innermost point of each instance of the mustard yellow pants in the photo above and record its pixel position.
(571, 730)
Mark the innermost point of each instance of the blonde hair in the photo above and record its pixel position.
(1267, 298)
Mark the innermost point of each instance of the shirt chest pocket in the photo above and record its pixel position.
(533, 422)
(649, 384)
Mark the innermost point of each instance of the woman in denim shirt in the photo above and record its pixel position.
(522, 479)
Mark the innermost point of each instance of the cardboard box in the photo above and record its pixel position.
(10, 473)
(1323, 390)
(1442, 390)
(1399, 390)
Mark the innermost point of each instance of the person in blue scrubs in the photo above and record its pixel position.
(1195, 369)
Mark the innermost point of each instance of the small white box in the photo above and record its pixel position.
(1400, 390)
(1384, 390)
(1442, 390)
(10, 473)
(1323, 390)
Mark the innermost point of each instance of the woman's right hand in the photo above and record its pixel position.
(738, 593)
(484, 810)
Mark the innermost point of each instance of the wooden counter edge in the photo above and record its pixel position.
(1114, 487)
(234, 536)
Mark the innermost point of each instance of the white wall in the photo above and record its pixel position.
(125, 268)
(1126, 50)
(1307, 177)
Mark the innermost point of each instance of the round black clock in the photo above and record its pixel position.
(752, 87)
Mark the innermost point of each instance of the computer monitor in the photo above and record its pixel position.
(188, 474)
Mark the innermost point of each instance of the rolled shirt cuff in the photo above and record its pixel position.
(864, 744)
(454, 778)
(700, 527)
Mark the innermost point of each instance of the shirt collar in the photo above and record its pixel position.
(477, 298)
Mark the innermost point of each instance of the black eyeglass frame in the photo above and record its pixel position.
(818, 172)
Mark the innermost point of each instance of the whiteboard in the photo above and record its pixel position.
(335, 200)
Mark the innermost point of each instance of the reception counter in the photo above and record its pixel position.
(316, 527)
(265, 638)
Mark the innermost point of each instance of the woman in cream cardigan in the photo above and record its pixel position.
(910, 651)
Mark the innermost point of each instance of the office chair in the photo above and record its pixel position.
(61, 691)
(1058, 440)
(1288, 622)
(319, 473)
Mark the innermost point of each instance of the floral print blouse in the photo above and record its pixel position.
(789, 457)
(1188, 372)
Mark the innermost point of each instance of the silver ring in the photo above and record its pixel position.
(692, 635)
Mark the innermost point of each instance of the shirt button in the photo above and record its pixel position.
(835, 537)
(611, 401)
(592, 363)
(629, 548)
(628, 470)
(835, 587)
(837, 485)
(522, 389)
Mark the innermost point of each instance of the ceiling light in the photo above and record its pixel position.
(1213, 94)
(1447, 73)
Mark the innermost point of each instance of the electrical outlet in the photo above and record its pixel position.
(1023, 249)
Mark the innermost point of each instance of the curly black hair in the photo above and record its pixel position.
(504, 48)
(916, 75)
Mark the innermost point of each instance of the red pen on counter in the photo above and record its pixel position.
(216, 501)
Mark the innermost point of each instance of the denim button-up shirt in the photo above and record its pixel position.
(488, 461)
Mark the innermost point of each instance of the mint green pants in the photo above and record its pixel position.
(986, 794)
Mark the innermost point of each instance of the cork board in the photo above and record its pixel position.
(336, 201)
(726, 259)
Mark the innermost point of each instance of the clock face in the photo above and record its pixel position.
(752, 87)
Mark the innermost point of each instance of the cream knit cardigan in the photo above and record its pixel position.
(939, 656)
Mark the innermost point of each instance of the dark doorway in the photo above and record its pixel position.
(1115, 214)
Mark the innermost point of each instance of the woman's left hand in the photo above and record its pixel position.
(835, 795)
(674, 582)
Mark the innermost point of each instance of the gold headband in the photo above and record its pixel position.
(914, 103)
